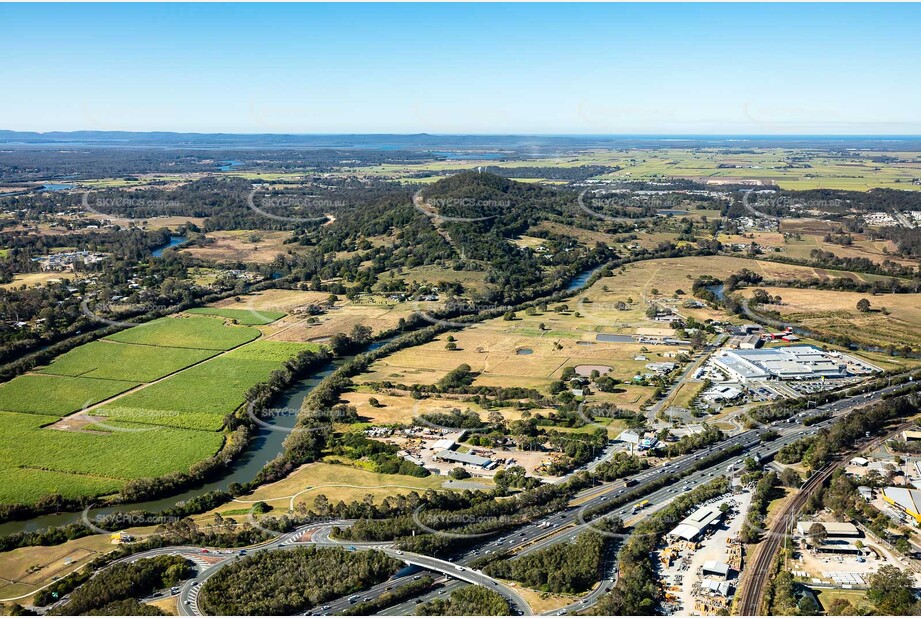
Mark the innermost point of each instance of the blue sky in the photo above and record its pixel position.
(449, 68)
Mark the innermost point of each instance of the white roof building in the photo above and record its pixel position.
(796, 362)
(715, 567)
(696, 523)
(713, 587)
(832, 528)
(443, 445)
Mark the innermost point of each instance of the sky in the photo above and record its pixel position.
(462, 68)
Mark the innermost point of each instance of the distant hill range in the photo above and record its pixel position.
(467, 145)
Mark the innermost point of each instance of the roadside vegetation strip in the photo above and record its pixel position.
(56, 395)
(116, 590)
(188, 332)
(467, 601)
(610, 505)
(246, 317)
(124, 361)
(564, 568)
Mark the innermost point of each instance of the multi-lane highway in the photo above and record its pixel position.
(562, 526)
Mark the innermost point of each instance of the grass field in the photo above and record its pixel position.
(187, 332)
(37, 461)
(471, 280)
(857, 598)
(394, 409)
(162, 427)
(492, 348)
(336, 482)
(122, 361)
(56, 395)
(33, 279)
(374, 311)
(241, 316)
(197, 398)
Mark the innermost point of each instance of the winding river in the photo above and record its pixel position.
(264, 447)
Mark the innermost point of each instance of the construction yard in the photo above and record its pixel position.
(700, 574)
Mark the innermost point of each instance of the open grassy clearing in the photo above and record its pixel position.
(122, 361)
(376, 312)
(153, 223)
(336, 482)
(876, 250)
(812, 238)
(275, 299)
(857, 598)
(187, 332)
(835, 312)
(246, 317)
(399, 409)
(28, 568)
(659, 281)
(56, 395)
(542, 602)
(254, 246)
(37, 461)
(33, 279)
(686, 394)
(434, 275)
(497, 349)
(492, 349)
(168, 605)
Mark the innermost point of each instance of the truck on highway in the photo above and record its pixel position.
(639, 506)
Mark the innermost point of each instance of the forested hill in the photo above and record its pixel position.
(473, 195)
(483, 213)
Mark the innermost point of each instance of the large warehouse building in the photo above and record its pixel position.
(800, 362)
(695, 524)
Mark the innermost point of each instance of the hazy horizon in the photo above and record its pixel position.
(452, 69)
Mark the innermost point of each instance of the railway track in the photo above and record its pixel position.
(751, 595)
